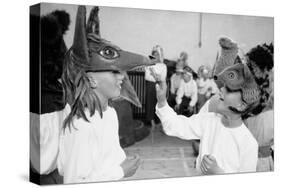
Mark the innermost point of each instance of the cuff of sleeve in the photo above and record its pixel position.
(163, 112)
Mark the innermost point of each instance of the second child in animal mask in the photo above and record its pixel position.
(227, 146)
(260, 123)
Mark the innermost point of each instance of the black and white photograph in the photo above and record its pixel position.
(125, 94)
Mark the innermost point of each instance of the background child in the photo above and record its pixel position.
(161, 69)
(175, 81)
(186, 98)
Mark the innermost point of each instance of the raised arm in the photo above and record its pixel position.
(179, 125)
(173, 124)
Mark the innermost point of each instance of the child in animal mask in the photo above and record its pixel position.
(260, 123)
(94, 75)
(226, 144)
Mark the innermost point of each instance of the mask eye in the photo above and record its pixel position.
(232, 75)
(109, 53)
(116, 72)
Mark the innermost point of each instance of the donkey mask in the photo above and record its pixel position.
(91, 53)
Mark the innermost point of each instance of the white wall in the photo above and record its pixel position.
(138, 30)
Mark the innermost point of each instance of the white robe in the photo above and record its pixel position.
(235, 149)
(92, 152)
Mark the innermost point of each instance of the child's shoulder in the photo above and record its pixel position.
(247, 137)
(209, 117)
(111, 110)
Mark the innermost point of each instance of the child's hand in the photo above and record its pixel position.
(177, 107)
(130, 165)
(190, 108)
(209, 165)
(161, 89)
(208, 95)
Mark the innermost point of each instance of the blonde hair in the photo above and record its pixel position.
(78, 92)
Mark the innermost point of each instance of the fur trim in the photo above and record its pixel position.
(54, 25)
(63, 19)
(260, 62)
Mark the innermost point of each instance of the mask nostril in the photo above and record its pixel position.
(215, 77)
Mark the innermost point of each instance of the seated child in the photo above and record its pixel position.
(206, 86)
(186, 98)
(175, 81)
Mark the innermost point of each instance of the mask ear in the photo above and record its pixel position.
(93, 24)
(80, 46)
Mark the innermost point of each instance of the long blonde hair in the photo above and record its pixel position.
(78, 92)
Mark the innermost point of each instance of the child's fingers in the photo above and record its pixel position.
(211, 158)
(157, 87)
(207, 160)
(160, 85)
(202, 170)
(205, 165)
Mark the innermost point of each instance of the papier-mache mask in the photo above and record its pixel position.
(252, 77)
(239, 77)
(227, 56)
(91, 53)
(94, 53)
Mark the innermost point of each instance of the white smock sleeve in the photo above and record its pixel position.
(179, 125)
(44, 140)
(77, 156)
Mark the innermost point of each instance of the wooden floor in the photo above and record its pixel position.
(163, 157)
